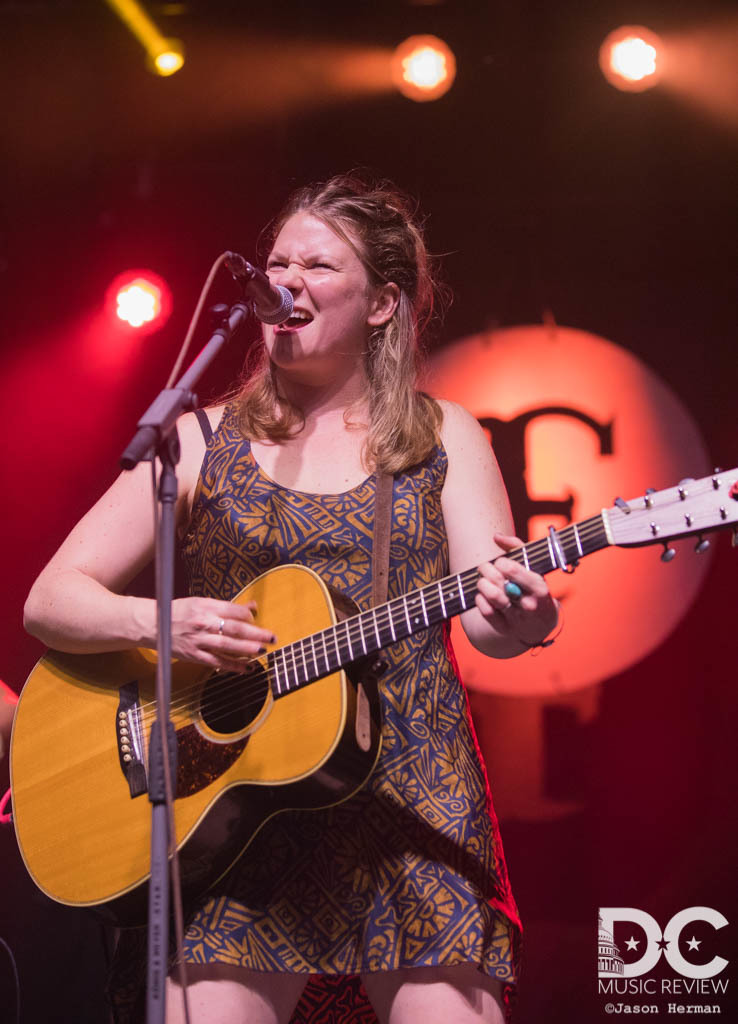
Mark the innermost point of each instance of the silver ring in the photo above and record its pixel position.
(221, 626)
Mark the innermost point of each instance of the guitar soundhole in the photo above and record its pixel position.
(231, 700)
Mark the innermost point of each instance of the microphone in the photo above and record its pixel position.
(272, 302)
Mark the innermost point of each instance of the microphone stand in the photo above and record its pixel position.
(157, 437)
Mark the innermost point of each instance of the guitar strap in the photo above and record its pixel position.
(381, 540)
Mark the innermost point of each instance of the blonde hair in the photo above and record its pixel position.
(379, 223)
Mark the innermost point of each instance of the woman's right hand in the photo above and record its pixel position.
(217, 633)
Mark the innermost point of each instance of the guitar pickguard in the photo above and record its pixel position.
(200, 762)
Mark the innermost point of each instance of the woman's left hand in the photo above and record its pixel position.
(529, 617)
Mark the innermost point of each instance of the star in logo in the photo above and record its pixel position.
(662, 943)
(694, 943)
(632, 943)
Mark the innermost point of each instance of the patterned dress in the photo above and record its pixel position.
(409, 872)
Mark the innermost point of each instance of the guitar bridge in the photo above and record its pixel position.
(129, 736)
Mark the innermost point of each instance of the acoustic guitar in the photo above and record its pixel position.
(298, 728)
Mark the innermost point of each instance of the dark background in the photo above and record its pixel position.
(546, 190)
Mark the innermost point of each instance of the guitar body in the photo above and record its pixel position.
(79, 756)
(300, 727)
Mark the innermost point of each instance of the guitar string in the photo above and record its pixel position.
(348, 633)
(258, 675)
(349, 629)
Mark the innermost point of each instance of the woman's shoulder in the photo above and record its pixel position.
(459, 428)
(192, 430)
(193, 442)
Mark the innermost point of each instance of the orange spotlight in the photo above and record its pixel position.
(423, 68)
(139, 298)
(631, 58)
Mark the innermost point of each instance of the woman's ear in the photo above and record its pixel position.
(384, 304)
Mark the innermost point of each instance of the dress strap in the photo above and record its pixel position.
(202, 419)
(384, 484)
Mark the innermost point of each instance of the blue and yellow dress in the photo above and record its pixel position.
(409, 872)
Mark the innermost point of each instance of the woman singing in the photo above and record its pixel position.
(405, 882)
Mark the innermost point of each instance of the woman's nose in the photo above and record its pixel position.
(289, 276)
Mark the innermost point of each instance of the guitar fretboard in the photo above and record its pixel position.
(320, 654)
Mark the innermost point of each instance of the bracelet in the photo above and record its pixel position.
(545, 643)
(534, 647)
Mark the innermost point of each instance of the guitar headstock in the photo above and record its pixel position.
(691, 508)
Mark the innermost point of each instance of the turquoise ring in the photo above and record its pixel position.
(513, 591)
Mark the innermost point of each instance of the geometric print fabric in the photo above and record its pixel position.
(410, 871)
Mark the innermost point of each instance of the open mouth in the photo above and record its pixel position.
(298, 319)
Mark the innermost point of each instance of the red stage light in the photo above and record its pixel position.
(140, 299)
(631, 58)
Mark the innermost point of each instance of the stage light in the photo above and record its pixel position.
(423, 68)
(165, 56)
(170, 60)
(631, 58)
(140, 299)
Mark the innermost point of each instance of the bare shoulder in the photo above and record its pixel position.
(192, 443)
(462, 436)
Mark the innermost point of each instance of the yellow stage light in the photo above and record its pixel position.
(423, 68)
(631, 58)
(170, 60)
(166, 56)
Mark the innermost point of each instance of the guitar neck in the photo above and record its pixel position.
(319, 655)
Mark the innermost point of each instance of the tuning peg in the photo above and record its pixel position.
(667, 554)
(623, 505)
(647, 499)
(702, 544)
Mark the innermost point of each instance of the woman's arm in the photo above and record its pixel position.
(76, 604)
(479, 527)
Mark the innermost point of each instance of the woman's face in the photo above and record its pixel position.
(335, 306)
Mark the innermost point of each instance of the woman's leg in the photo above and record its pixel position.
(221, 994)
(435, 995)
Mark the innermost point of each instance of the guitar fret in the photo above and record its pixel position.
(551, 553)
(569, 545)
(422, 603)
(578, 541)
(294, 665)
(443, 603)
(295, 677)
(391, 623)
(407, 615)
(284, 668)
(376, 628)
